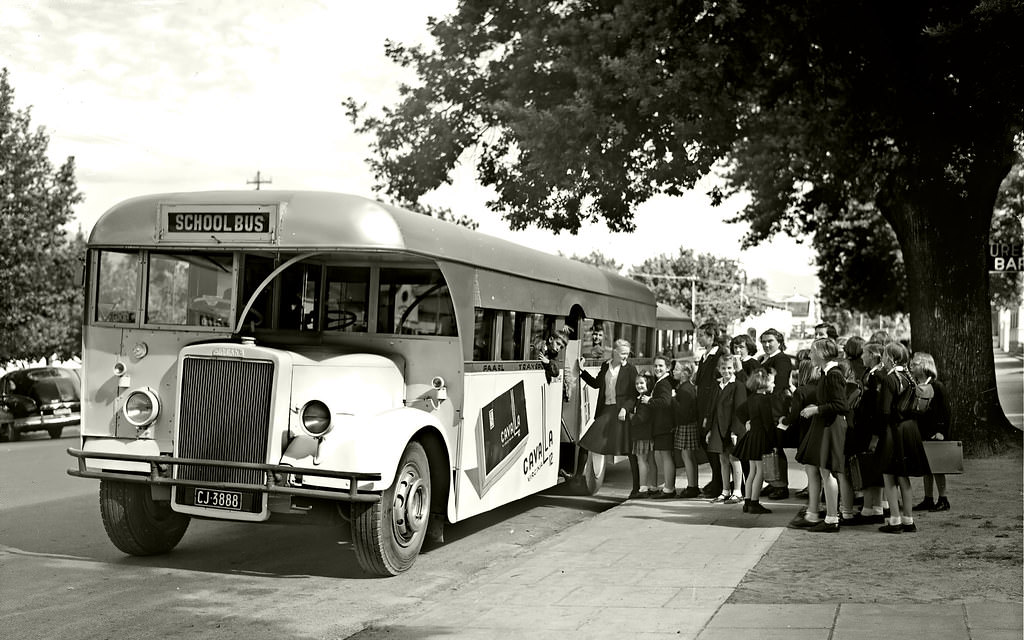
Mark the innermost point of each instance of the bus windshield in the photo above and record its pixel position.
(192, 289)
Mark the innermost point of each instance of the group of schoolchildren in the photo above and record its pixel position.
(857, 412)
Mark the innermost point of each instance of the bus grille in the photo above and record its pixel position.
(224, 414)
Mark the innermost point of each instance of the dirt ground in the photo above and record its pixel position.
(971, 553)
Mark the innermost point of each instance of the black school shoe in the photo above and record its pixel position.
(777, 493)
(925, 505)
(892, 528)
(690, 492)
(941, 505)
(825, 527)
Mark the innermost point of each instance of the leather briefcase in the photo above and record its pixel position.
(944, 456)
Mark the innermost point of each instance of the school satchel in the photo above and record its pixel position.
(771, 467)
(916, 398)
(944, 456)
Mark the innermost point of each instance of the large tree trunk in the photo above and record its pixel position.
(943, 230)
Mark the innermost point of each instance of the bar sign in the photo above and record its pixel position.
(1005, 256)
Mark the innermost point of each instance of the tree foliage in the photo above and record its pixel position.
(718, 291)
(581, 111)
(599, 260)
(40, 309)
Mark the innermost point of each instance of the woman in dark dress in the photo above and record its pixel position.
(934, 425)
(608, 435)
(822, 449)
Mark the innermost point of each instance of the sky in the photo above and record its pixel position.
(155, 96)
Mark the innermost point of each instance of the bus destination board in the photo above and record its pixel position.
(224, 223)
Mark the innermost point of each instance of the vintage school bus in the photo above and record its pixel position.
(317, 357)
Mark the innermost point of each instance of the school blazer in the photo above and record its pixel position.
(726, 416)
(783, 367)
(707, 385)
(625, 386)
(661, 406)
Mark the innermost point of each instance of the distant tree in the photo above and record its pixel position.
(40, 304)
(718, 284)
(597, 259)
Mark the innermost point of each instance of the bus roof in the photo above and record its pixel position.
(669, 317)
(315, 220)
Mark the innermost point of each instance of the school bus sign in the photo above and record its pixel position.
(1006, 256)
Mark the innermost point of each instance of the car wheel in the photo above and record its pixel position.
(55, 432)
(13, 435)
(137, 524)
(387, 535)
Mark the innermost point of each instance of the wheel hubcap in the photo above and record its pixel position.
(410, 508)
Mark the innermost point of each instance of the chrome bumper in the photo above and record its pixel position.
(160, 473)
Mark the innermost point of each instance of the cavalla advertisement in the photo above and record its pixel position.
(514, 448)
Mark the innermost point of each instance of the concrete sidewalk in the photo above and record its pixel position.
(665, 569)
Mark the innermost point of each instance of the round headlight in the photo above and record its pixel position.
(316, 418)
(141, 407)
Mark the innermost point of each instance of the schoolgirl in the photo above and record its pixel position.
(822, 449)
(662, 426)
(777, 362)
(726, 428)
(868, 432)
(687, 434)
(900, 451)
(934, 425)
(641, 432)
(759, 437)
(744, 348)
(805, 393)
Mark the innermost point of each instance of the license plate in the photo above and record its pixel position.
(217, 499)
(62, 411)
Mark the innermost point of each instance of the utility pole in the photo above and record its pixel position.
(258, 181)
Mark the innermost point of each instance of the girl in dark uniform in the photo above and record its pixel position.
(822, 449)
(759, 439)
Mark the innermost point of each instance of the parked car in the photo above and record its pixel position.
(39, 399)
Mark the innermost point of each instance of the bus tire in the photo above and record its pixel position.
(55, 432)
(387, 535)
(593, 472)
(137, 524)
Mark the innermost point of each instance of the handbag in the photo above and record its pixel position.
(853, 469)
(944, 456)
(771, 467)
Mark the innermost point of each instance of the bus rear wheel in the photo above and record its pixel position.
(387, 535)
(137, 524)
(593, 472)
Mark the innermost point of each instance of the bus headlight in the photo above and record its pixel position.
(141, 407)
(315, 418)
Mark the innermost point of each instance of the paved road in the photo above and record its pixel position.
(61, 578)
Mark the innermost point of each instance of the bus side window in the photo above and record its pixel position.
(256, 269)
(300, 292)
(483, 333)
(348, 289)
(415, 302)
(512, 329)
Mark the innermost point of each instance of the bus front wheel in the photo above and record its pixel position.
(137, 524)
(593, 472)
(387, 535)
